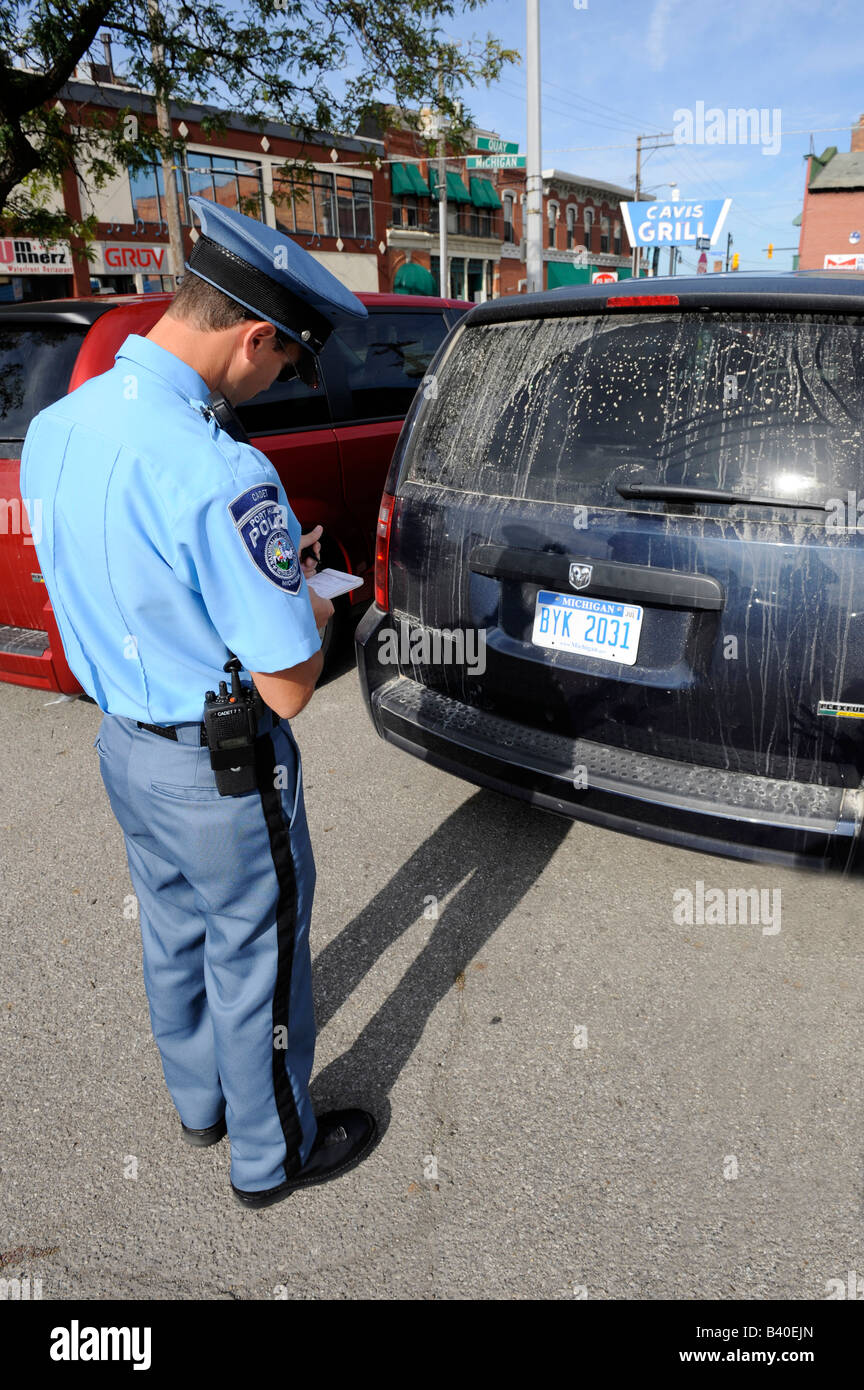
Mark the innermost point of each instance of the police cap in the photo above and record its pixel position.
(272, 276)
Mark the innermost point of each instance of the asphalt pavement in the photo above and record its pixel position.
(583, 1096)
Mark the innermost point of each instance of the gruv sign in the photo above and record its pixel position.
(674, 224)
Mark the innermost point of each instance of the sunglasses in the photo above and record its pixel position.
(306, 370)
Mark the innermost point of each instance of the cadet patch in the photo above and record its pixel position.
(260, 519)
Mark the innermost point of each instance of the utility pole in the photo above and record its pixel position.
(634, 268)
(443, 268)
(533, 172)
(637, 250)
(163, 122)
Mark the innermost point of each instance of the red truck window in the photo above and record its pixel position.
(384, 358)
(35, 366)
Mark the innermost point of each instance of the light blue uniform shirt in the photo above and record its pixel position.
(164, 541)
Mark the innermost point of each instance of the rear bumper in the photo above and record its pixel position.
(737, 815)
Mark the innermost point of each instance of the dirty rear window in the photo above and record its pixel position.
(35, 366)
(567, 409)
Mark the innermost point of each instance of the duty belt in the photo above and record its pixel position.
(170, 730)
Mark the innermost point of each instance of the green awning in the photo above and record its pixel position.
(565, 273)
(412, 278)
(400, 183)
(406, 179)
(456, 190)
(483, 194)
(421, 187)
(492, 194)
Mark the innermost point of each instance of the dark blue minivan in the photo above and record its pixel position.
(620, 565)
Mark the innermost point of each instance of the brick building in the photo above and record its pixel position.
(369, 212)
(583, 230)
(338, 215)
(832, 218)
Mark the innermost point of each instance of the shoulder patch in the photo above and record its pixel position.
(261, 522)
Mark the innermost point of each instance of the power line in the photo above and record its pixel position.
(617, 121)
(633, 120)
(602, 120)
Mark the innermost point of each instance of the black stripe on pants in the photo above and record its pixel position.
(286, 925)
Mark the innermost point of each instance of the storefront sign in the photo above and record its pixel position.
(25, 256)
(675, 224)
(842, 260)
(115, 258)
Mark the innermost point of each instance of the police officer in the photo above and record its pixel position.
(169, 548)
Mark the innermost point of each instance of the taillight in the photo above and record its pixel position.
(382, 550)
(626, 301)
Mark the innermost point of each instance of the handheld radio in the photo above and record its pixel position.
(231, 722)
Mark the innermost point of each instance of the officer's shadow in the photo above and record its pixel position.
(488, 854)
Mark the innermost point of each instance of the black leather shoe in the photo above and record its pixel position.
(343, 1140)
(201, 1138)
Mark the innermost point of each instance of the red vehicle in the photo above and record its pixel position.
(330, 447)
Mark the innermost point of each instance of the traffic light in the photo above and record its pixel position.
(770, 249)
(734, 260)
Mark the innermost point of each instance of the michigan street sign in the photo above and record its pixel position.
(495, 161)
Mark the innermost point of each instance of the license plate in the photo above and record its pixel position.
(588, 626)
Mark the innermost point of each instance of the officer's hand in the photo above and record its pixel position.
(310, 565)
(322, 608)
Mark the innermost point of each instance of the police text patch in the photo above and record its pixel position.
(261, 521)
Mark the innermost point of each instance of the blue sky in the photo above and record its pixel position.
(621, 68)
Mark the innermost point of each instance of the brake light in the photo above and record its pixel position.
(625, 301)
(382, 550)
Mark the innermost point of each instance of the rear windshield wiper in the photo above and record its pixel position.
(671, 492)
